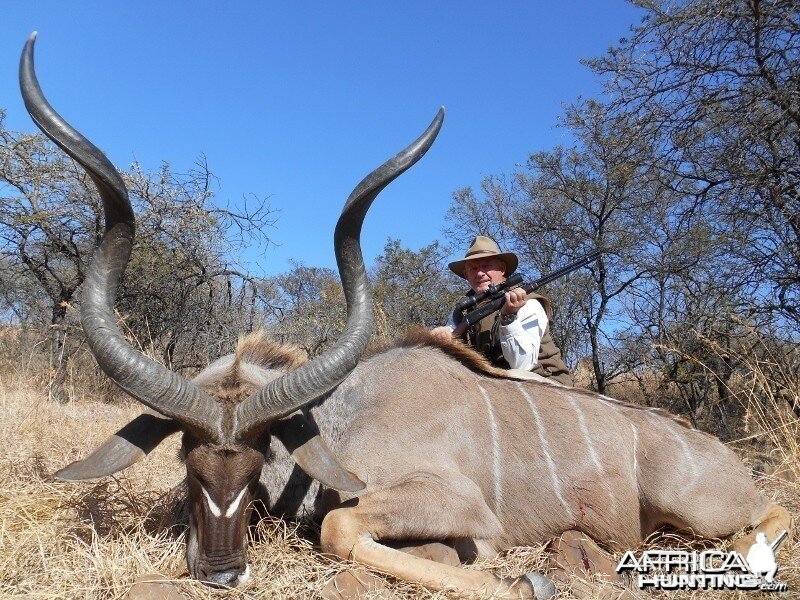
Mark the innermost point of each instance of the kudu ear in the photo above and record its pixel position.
(311, 454)
(129, 445)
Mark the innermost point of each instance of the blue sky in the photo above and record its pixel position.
(298, 101)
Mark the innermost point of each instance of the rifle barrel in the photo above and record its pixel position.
(565, 270)
(488, 308)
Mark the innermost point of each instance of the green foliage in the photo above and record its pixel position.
(181, 299)
(413, 288)
(687, 179)
(309, 307)
(714, 84)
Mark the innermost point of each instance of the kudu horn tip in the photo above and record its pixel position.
(436, 124)
(32, 36)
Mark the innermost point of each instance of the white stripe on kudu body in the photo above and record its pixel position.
(496, 463)
(635, 454)
(689, 459)
(551, 466)
(592, 452)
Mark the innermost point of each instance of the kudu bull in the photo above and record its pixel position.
(448, 448)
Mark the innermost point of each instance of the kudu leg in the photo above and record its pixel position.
(424, 506)
(775, 521)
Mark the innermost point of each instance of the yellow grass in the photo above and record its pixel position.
(92, 540)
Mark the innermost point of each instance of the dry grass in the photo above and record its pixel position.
(93, 540)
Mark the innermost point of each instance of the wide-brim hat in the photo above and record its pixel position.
(483, 247)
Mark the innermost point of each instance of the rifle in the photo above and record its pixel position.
(778, 540)
(496, 293)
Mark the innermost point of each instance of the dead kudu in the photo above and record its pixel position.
(444, 446)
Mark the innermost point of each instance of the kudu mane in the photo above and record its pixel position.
(233, 384)
(419, 338)
(255, 348)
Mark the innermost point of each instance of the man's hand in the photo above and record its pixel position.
(443, 334)
(515, 299)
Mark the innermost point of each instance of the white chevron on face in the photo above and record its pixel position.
(212, 506)
(235, 504)
(216, 511)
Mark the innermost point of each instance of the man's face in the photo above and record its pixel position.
(483, 272)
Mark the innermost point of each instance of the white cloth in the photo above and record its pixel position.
(521, 339)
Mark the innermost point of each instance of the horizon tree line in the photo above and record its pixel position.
(684, 173)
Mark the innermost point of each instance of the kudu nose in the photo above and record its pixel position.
(228, 578)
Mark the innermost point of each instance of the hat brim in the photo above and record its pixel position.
(509, 258)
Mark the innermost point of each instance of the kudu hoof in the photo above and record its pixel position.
(543, 588)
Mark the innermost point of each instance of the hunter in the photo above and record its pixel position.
(517, 336)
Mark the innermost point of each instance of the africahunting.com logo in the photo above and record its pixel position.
(708, 569)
